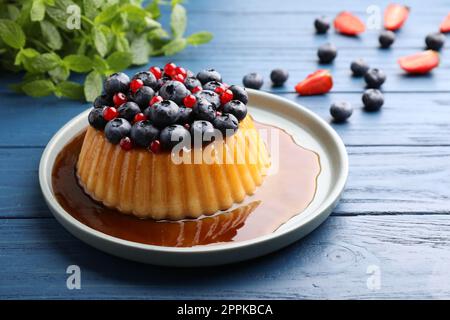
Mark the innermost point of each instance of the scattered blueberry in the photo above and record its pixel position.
(374, 78)
(96, 118)
(359, 67)
(143, 133)
(341, 111)
(386, 38)
(103, 100)
(116, 129)
(212, 85)
(163, 113)
(322, 25)
(148, 78)
(239, 93)
(208, 75)
(203, 131)
(435, 41)
(173, 90)
(279, 77)
(204, 110)
(326, 53)
(236, 108)
(253, 80)
(192, 82)
(226, 123)
(171, 135)
(129, 110)
(142, 96)
(117, 82)
(373, 99)
(209, 96)
(184, 115)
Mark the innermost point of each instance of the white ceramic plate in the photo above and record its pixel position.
(307, 128)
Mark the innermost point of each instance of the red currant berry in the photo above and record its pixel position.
(155, 146)
(189, 101)
(226, 97)
(126, 144)
(156, 72)
(139, 117)
(155, 99)
(169, 69)
(178, 77)
(218, 113)
(187, 126)
(119, 99)
(136, 84)
(182, 71)
(110, 113)
(219, 90)
(196, 89)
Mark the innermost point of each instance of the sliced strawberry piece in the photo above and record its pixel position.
(395, 16)
(349, 24)
(445, 25)
(318, 82)
(420, 63)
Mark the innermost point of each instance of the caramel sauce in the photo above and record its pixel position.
(282, 195)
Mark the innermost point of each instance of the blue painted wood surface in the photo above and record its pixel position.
(393, 216)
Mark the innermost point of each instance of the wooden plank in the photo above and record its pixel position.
(382, 180)
(411, 254)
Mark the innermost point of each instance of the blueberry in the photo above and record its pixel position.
(117, 129)
(143, 133)
(128, 110)
(373, 99)
(236, 108)
(212, 85)
(204, 110)
(341, 111)
(435, 41)
(172, 135)
(279, 77)
(163, 113)
(184, 115)
(117, 82)
(209, 96)
(147, 78)
(192, 82)
(386, 38)
(239, 93)
(208, 75)
(173, 90)
(374, 78)
(96, 118)
(103, 100)
(142, 96)
(322, 25)
(359, 67)
(226, 123)
(203, 131)
(253, 80)
(327, 53)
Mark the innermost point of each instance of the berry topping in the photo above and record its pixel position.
(157, 72)
(209, 96)
(189, 101)
(126, 144)
(239, 93)
(204, 110)
(96, 119)
(129, 110)
(139, 117)
(208, 75)
(359, 67)
(348, 24)
(119, 99)
(181, 71)
(170, 68)
(253, 81)
(395, 16)
(191, 83)
(226, 96)
(147, 77)
(110, 113)
(117, 129)
(386, 39)
(136, 84)
(143, 133)
(163, 113)
(173, 90)
(172, 135)
(103, 101)
(196, 89)
(435, 41)
(420, 63)
(327, 53)
(373, 99)
(143, 96)
(117, 82)
(155, 99)
(219, 90)
(202, 132)
(226, 123)
(374, 78)
(322, 25)
(318, 82)
(445, 25)
(155, 146)
(236, 108)
(341, 111)
(184, 115)
(178, 77)
(213, 85)
(279, 77)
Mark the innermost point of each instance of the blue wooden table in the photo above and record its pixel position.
(388, 238)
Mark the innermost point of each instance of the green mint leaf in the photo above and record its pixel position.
(13, 12)
(119, 61)
(70, 90)
(25, 54)
(78, 63)
(174, 46)
(12, 34)
(93, 86)
(38, 88)
(154, 10)
(198, 38)
(51, 35)
(45, 62)
(140, 49)
(178, 21)
(135, 13)
(60, 73)
(100, 41)
(122, 43)
(37, 12)
(100, 65)
(107, 14)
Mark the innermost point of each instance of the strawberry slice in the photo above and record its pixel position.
(445, 25)
(318, 82)
(420, 63)
(348, 24)
(395, 16)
